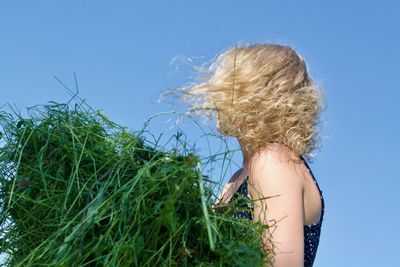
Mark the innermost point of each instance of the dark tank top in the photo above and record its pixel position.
(312, 232)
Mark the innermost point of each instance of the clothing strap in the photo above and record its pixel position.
(315, 180)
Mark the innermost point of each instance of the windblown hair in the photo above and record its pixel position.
(261, 94)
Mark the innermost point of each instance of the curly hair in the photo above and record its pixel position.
(261, 94)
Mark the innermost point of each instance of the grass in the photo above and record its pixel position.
(76, 189)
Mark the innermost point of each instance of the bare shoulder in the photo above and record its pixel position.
(224, 195)
(276, 167)
(235, 176)
(277, 188)
(276, 152)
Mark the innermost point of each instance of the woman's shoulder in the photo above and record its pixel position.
(232, 183)
(275, 152)
(235, 176)
(276, 161)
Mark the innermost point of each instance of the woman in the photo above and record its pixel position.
(264, 96)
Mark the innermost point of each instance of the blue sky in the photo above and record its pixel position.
(125, 54)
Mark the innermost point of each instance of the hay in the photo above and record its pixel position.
(79, 190)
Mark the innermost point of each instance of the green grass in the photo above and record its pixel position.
(77, 189)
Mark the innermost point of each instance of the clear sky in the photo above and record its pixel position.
(125, 54)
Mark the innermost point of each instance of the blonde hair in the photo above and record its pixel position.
(262, 94)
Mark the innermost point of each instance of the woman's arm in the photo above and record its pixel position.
(273, 173)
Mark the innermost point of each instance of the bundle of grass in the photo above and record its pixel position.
(79, 190)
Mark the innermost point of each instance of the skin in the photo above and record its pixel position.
(280, 173)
